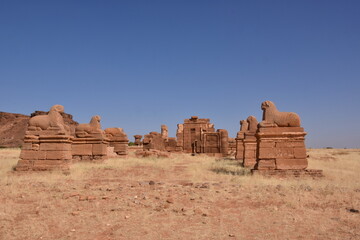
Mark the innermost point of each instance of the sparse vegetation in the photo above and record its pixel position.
(196, 197)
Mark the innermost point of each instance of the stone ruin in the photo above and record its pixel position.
(155, 141)
(154, 145)
(232, 146)
(274, 146)
(158, 144)
(90, 142)
(246, 143)
(281, 140)
(277, 144)
(199, 136)
(47, 143)
(138, 141)
(118, 140)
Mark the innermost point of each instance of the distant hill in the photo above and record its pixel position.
(14, 125)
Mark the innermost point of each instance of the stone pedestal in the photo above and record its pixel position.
(250, 147)
(281, 148)
(120, 145)
(45, 152)
(89, 149)
(239, 155)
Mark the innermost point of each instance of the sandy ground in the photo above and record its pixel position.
(182, 197)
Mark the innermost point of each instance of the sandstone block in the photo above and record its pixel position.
(99, 149)
(300, 153)
(249, 162)
(271, 153)
(266, 164)
(82, 149)
(293, 144)
(55, 146)
(250, 154)
(32, 155)
(267, 144)
(267, 153)
(291, 163)
(27, 146)
(58, 155)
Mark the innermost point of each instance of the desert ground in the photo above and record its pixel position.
(182, 197)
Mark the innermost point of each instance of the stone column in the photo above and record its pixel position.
(239, 155)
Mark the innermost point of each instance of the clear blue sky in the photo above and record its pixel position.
(140, 64)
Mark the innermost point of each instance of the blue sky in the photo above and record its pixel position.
(140, 64)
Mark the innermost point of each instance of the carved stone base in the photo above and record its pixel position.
(120, 145)
(40, 153)
(89, 149)
(281, 148)
(239, 155)
(250, 146)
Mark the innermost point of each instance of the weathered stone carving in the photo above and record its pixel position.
(274, 118)
(250, 144)
(52, 121)
(118, 140)
(280, 140)
(252, 124)
(92, 129)
(90, 142)
(47, 144)
(244, 126)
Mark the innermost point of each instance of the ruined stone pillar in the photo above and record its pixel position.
(250, 143)
(244, 127)
(224, 142)
(164, 132)
(137, 141)
(239, 155)
(250, 146)
(180, 138)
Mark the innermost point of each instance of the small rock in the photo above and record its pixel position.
(353, 210)
(82, 198)
(170, 200)
(90, 198)
(75, 213)
(144, 183)
(205, 185)
(127, 217)
(231, 235)
(151, 182)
